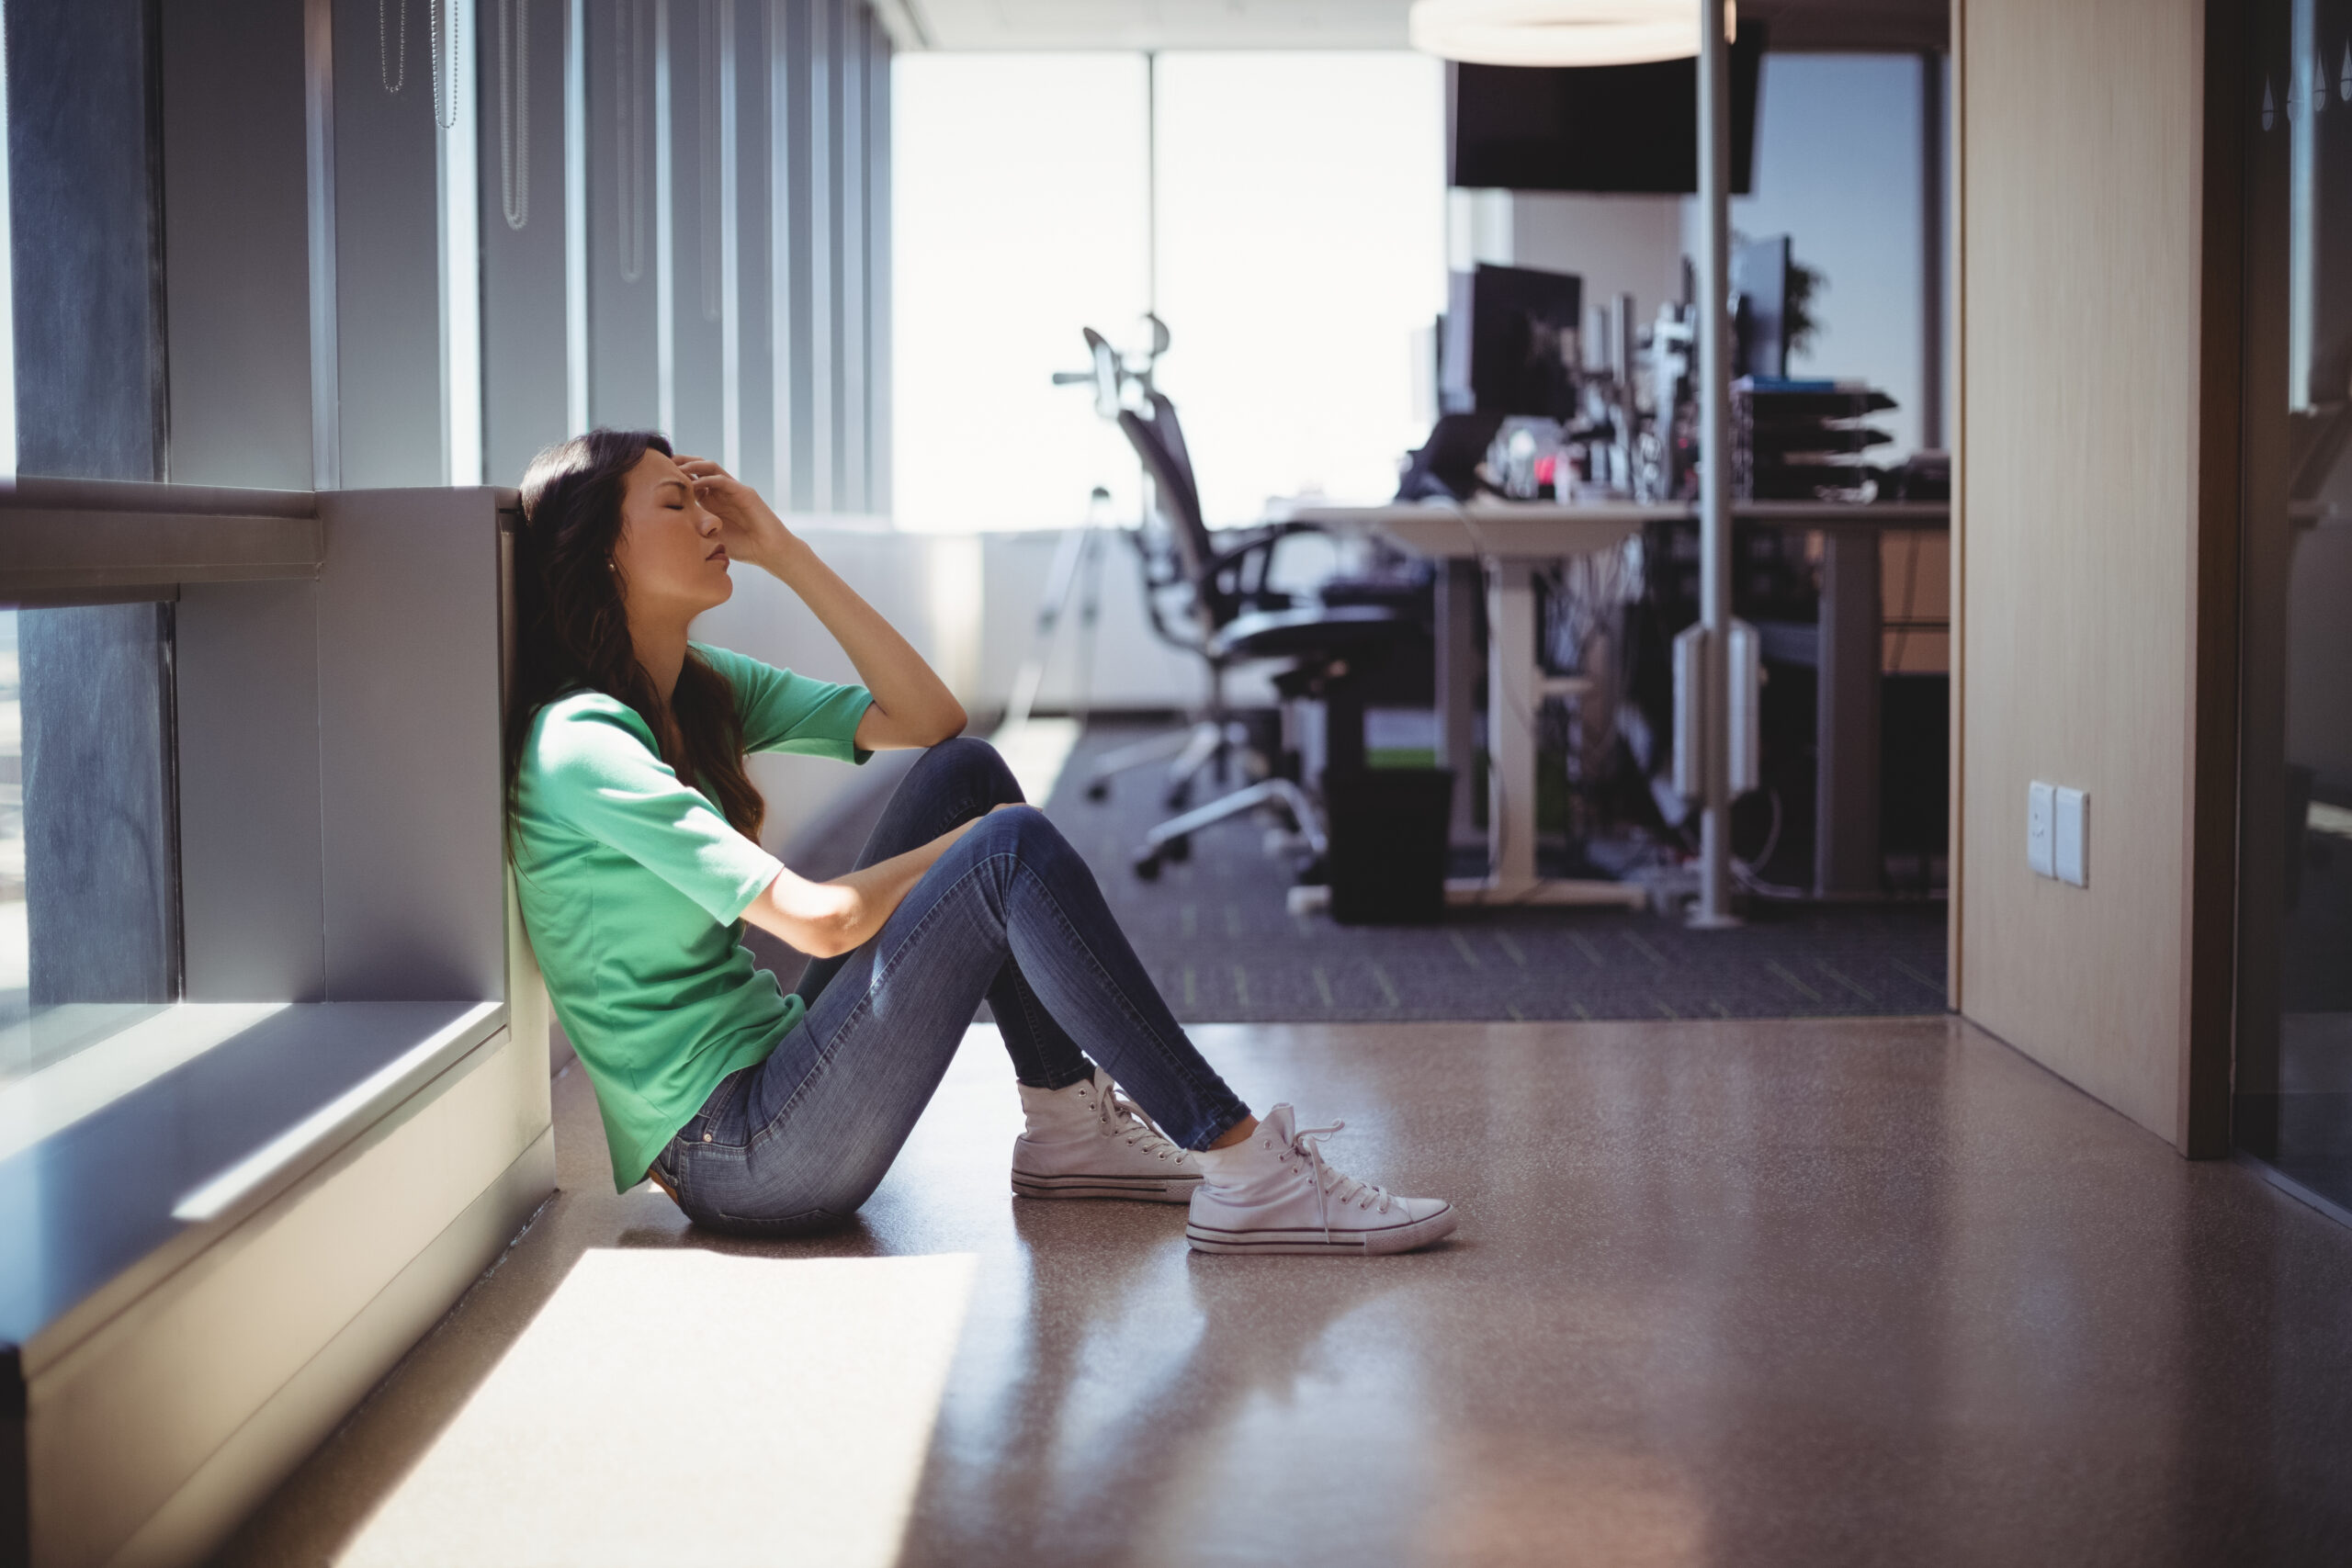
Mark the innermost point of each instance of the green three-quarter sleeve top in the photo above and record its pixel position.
(633, 887)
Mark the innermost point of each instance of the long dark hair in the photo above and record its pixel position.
(571, 626)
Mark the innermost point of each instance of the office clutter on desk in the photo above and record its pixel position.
(1922, 476)
(1546, 395)
(1809, 441)
(1445, 467)
(1545, 400)
(1803, 440)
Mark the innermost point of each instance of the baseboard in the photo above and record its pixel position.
(276, 1439)
(152, 1436)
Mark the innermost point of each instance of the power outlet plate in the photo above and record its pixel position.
(2070, 841)
(2040, 829)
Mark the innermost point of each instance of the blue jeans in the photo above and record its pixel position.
(1010, 912)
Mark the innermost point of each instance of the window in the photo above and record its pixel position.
(1838, 170)
(1020, 218)
(1300, 248)
(89, 904)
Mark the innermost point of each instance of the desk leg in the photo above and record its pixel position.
(1512, 702)
(1847, 856)
(1457, 685)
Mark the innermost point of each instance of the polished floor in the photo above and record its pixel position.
(1795, 1292)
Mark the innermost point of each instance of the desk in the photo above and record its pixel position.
(1847, 859)
(1515, 538)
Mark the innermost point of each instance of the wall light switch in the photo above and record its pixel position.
(2070, 844)
(2041, 808)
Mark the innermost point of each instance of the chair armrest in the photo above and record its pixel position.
(1262, 539)
(1157, 580)
(1248, 590)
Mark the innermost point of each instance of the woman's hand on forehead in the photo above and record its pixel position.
(749, 528)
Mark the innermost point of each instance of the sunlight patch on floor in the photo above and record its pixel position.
(1035, 749)
(687, 1406)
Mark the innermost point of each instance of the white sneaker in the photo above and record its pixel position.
(1274, 1193)
(1091, 1140)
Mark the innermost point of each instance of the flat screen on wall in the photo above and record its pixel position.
(1594, 127)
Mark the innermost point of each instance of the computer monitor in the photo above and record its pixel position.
(1759, 278)
(1594, 127)
(1509, 341)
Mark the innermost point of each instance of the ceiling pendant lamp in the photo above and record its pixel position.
(1559, 32)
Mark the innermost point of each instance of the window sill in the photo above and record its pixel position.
(184, 1143)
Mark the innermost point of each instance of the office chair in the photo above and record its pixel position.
(1173, 553)
(1177, 548)
(1336, 651)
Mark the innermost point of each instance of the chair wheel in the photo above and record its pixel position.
(1178, 798)
(1097, 789)
(1148, 867)
(1177, 849)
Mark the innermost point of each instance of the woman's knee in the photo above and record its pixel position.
(967, 757)
(1026, 833)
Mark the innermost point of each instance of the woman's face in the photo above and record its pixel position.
(671, 564)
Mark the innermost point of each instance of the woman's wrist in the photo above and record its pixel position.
(785, 555)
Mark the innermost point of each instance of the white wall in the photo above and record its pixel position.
(1618, 244)
(1125, 665)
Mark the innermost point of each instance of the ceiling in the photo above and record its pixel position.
(1891, 25)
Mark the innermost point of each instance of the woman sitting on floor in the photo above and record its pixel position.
(634, 829)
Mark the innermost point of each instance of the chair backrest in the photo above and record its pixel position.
(1171, 435)
(1159, 442)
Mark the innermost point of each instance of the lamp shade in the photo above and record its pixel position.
(1559, 32)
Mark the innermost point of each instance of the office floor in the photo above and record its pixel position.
(1214, 933)
(1800, 1292)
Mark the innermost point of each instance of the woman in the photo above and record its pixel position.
(634, 829)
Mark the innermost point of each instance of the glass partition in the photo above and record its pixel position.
(2293, 1077)
(89, 901)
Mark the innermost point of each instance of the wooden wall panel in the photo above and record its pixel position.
(2084, 296)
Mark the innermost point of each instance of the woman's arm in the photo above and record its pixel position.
(825, 919)
(911, 705)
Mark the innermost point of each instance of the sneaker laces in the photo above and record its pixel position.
(1121, 1116)
(1332, 1185)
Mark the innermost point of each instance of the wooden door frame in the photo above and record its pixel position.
(2209, 748)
